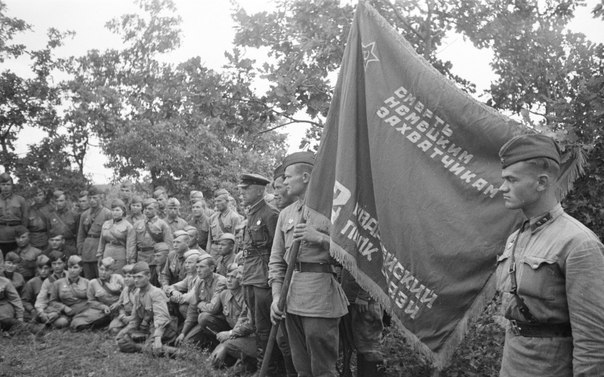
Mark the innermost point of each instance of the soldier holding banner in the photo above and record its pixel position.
(551, 272)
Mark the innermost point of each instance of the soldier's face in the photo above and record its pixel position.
(39, 198)
(189, 265)
(94, 200)
(83, 203)
(141, 279)
(56, 243)
(221, 204)
(295, 180)
(226, 247)
(61, 202)
(23, 240)
(251, 194)
(58, 267)
(117, 213)
(6, 187)
(125, 192)
(44, 271)
(9, 266)
(128, 280)
(203, 270)
(197, 209)
(181, 244)
(172, 212)
(150, 211)
(74, 271)
(136, 208)
(104, 272)
(192, 237)
(281, 195)
(233, 281)
(520, 187)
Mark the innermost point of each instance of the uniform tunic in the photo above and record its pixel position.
(150, 313)
(27, 266)
(10, 302)
(118, 241)
(100, 295)
(39, 225)
(311, 294)
(43, 297)
(223, 262)
(29, 294)
(89, 232)
(132, 219)
(14, 211)
(17, 280)
(68, 293)
(560, 276)
(177, 223)
(204, 291)
(220, 223)
(145, 241)
(202, 225)
(173, 270)
(65, 221)
(257, 243)
(125, 306)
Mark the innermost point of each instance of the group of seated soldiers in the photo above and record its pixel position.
(158, 281)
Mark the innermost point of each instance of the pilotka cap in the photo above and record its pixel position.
(527, 147)
(299, 158)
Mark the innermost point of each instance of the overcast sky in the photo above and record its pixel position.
(207, 31)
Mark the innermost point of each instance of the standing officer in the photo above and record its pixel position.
(63, 220)
(551, 272)
(152, 234)
(89, 232)
(315, 301)
(14, 212)
(256, 246)
(224, 220)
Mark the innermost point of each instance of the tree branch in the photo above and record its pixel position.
(288, 123)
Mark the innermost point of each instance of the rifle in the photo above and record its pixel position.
(281, 303)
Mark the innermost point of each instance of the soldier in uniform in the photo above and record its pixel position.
(226, 255)
(27, 253)
(551, 272)
(89, 232)
(136, 210)
(126, 193)
(161, 197)
(68, 295)
(56, 243)
(150, 322)
(152, 234)
(11, 262)
(174, 270)
(315, 301)
(224, 220)
(282, 197)
(57, 264)
(14, 212)
(118, 239)
(256, 245)
(11, 307)
(193, 237)
(173, 215)
(33, 286)
(39, 219)
(200, 221)
(63, 221)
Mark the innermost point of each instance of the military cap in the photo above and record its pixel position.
(253, 179)
(20, 230)
(149, 201)
(93, 190)
(127, 183)
(190, 228)
(107, 262)
(57, 193)
(140, 267)
(54, 233)
(127, 269)
(118, 203)
(5, 177)
(195, 194)
(173, 202)
(304, 157)
(527, 147)
(136, 199)
(83, 193)
(227, 236)
(191, 253)
(42, 261)
(56, 255)
(161, 247)
(221, 192)
(73, 260)
(179, 233)
(278, 172)
(11, 256)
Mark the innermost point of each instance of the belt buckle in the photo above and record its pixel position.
(514, 327)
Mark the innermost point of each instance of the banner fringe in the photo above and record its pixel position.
(573, 166)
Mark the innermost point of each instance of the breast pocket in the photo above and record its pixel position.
(259, 233)
(537, 278)
(502, 274)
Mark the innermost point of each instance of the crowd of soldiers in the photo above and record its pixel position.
(212, 280)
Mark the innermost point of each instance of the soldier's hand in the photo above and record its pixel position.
(43, 317)
(157, 343)
(223, 336)
(179, 339)
(114, 306)
(276, 314)
(308, 233)
(106, 310)
(362, 306)
(52, 317)
(67, 310)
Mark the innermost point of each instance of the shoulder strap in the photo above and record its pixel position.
(156, 237)
(107, 289)
(524, 310)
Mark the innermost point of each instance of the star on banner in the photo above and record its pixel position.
(368, 54)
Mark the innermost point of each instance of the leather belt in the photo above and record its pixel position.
(93, 236)
(313, 267)
(540, 330)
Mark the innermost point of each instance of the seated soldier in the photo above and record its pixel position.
(173, 270)
(56, 242)
(11, 308)
(150, 323)
(57, 265)
(11, 262)
(125, 303)
(33, 286)
(103, 294)
(209, 284)
(226, 254)
(68, 295)
(27, 253)
(181, 292)
(193, 239)
(234, 328)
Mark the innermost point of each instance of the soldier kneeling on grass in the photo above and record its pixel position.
(150, 327)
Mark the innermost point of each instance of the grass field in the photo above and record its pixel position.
(94, 354)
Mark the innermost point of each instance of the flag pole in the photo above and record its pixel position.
(281, 304)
